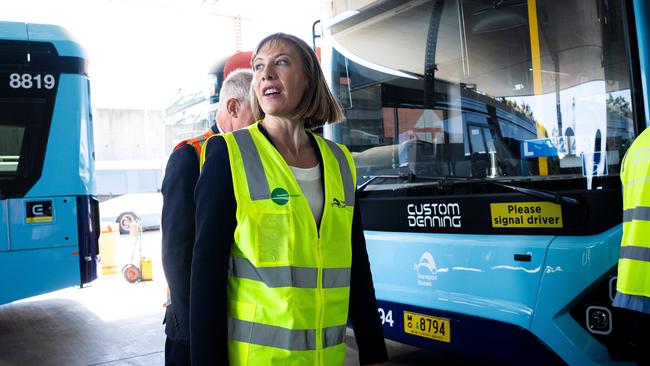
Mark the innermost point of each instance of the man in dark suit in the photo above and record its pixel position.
(181, 174)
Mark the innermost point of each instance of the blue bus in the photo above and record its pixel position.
(493, 133)
(49, 218)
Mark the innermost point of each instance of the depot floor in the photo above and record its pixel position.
(112, 322)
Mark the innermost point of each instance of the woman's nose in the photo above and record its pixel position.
(268, 73)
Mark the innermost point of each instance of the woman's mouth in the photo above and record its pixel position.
(270, 91)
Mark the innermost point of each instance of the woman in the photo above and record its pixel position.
(280, 261)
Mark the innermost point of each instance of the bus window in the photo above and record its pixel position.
(11, 141)
(476, 140)
(24, 126)
(495, 87)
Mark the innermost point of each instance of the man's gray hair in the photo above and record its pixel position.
(237, 85)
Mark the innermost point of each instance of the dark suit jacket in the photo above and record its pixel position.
(177, 224)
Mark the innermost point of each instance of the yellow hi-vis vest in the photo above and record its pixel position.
(633, 284)
(289, 281)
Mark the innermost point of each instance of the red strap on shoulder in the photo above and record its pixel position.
(197, 146)
(207, 134)
(195, 142)
(180, 144)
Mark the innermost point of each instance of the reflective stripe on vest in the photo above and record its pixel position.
(283, 338)
(333, 336)
(272, 336)
(289, 279)
(283, 276)
(635, 253)
(637, 213)
(289, 276)
(257, 183)
(634, 264)
(346, 175)
(336, 277)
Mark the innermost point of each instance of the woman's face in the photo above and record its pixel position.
(280, 80)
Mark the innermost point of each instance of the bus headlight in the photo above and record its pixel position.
(599, 320)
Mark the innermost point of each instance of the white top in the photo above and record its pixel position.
(310, 183)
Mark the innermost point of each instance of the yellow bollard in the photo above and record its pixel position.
(108, 248)
(146, 268)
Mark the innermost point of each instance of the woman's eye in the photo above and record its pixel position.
(281, 62)
(258, 67)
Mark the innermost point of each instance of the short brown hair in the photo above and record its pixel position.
(318, 106)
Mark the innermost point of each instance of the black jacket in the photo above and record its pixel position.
(215, 226)
(177, 224)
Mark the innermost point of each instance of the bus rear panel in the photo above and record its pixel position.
(48, 215)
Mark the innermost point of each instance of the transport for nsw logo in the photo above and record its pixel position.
(281, 197)
(426, 270)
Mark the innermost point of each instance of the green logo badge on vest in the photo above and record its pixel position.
(280, 196)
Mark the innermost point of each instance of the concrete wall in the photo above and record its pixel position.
(130, 151)
(128, 134)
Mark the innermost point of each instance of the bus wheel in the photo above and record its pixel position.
(125, 220)
(131, 273)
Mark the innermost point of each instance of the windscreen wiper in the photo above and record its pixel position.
(441, 181)
(410, 177)
(363, 185)
(540, 193)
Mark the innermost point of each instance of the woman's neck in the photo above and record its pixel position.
(291, 140)
(289, 134)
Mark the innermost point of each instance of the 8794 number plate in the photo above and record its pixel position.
(427, 326)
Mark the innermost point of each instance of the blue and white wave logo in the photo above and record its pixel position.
(426, 269)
